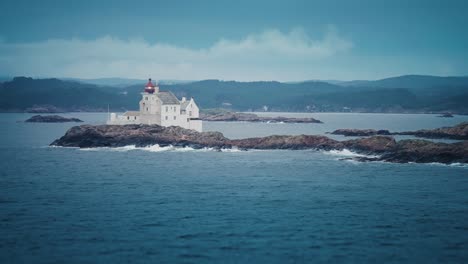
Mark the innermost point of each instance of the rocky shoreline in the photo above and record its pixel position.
(459, 132)
(385, 147)
(351, 132)
(51, 119)
(247, 117)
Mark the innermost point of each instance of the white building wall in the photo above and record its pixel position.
(192, 109)
(123, 120)
(196, 125)
(170, 116)
(152, 111)
(150, 104)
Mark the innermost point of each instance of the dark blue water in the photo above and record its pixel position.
(62, 205)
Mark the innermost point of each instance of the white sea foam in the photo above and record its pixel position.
(456, 164)
(274, 122)
(55, 146)
(233, 149)
(345, 153)
(348, 153)
(158, 148)
(340, 154)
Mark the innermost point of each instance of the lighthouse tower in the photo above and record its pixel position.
(161, 108)
(150, 104)
(151, 88)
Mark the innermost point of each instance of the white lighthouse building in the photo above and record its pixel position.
(161, 108)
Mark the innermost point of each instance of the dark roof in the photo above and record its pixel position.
(168, 98)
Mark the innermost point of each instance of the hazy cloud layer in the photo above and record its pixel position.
(269, 55)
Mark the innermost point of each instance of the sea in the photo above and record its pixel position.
(180, 205)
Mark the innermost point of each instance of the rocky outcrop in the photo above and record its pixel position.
(360, 132)
(372, 145)
(88, 136)
(288, 142)
(51, 119)
(387, 149)
(247, 117)
(459, 132)
(447, 115)
(423, 151)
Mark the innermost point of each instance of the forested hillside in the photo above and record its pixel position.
(418, 95)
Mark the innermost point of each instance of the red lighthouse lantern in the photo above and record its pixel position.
(149, 88)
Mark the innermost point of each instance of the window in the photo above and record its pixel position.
(188, 119)
(146, 108)
(128, 118)
(146, 98)
(135, 117)
(174, 117)
(167, 109)
(175, 109)
(166, 117)
(190, 113)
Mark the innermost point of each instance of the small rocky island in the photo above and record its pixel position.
(51, 119)
(351, 132)
(459, 132)
(384, 147)
(446, 115)
(248, 117)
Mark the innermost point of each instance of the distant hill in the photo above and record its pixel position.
(22, 92)
(119, 82)
(445, 94)
(113, 82)
(411, 82)
(318, 96)
(245, 95)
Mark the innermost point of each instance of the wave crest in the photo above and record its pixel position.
(158, 148)
(348, 153)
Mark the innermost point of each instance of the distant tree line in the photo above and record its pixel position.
(410, 95)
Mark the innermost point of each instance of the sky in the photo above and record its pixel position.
(234, 40)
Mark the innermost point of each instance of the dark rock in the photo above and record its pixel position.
(88, 136)
(423, 151)
(448, 115)
(51, 119)
(360, 132)
(288, 142)
(372, 145)
(459, 131)
(231, 116)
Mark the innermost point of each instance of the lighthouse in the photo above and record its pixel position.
(151, 88)
(161, 108)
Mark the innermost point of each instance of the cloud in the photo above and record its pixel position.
(271, 54)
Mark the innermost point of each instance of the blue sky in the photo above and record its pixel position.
(234, 40)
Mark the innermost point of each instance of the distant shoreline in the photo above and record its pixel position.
(254, 112)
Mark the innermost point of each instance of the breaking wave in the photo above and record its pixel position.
(347, 153)
(158, 148)
(456, 164)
